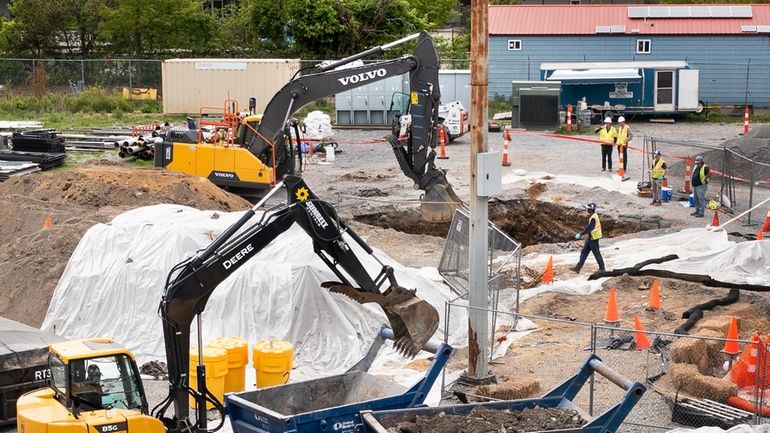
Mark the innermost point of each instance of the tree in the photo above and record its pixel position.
(436, 13)
(335, 28)
(35, 26)
(83, 23)
(140, 27)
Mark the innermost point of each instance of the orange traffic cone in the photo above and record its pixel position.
(654, 302)
(731, 345)
(642, 342)
(760, 235)
(766, 225)
(506, 142)
(547, 277)
(442, 143)
(612, 316)
(48, 223)
(715, 220)
(744, 371)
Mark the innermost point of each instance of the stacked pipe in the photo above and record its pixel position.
(138, 147)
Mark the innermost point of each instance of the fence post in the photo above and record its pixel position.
(130, 77)
(591, 380)
(83, 72)
(751, 191)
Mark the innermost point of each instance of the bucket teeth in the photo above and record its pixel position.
(412, 319)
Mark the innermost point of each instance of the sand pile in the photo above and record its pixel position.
(33, 258)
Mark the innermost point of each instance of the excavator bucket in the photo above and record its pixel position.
(413, 320)
(439, 203)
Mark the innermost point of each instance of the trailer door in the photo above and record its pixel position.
(687, 94)
(664, 90)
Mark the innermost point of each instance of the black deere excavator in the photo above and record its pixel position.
(191, 283)
(261, 152)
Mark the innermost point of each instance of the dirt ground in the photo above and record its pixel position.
(32, 258)
(493, 421)
(369, 190)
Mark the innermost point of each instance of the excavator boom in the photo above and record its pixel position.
(191, 283)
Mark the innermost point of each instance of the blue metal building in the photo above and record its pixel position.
(729, 45)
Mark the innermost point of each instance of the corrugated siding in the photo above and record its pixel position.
(186, 89)
(721, 60)
(583, 19)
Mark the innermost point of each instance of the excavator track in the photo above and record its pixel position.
(413, 320)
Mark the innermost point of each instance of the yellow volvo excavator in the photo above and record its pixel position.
(95, 384)
(255, 153)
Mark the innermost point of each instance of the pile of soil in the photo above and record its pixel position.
(33, 258)
(482, 420)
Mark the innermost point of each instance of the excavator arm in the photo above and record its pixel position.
(191, 283)
(415, 152)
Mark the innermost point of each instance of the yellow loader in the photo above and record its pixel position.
(94, 388)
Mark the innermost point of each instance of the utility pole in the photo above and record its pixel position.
(478, 295)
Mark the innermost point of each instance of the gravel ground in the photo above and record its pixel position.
(365, 162)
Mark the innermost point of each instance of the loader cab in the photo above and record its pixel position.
(247, 129)
(95, 374)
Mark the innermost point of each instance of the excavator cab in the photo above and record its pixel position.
(94, 386)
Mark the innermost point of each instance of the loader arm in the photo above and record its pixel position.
(191, 283)
(415, 153)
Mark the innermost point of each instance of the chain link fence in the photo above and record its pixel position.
(740, 173)
(26, 76)
(685, 375)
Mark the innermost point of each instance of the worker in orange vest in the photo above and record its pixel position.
(607, 136)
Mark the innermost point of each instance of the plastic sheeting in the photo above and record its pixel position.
(23, 346)
(114, 280)
(609, 182)
(700, 251)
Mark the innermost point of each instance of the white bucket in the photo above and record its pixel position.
(329, 153)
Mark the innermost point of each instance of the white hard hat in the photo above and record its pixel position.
(608, 119)
(621, 119)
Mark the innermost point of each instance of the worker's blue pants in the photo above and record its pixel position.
(592, 246)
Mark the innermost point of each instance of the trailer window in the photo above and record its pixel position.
(514, 44)
(643, 46)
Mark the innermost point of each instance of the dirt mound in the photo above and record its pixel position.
(32, 258)
(106, 184)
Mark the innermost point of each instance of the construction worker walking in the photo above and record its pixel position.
(607, 136)
(594, 231)
(624, 138)
(657, 174)
(700, 181)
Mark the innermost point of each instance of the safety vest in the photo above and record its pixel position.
(606, 137)
(623, 135)
(658, 172)
(701, 174)
(596, 233)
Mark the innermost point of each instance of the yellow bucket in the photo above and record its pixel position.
(215, 360)
(237, 357)
(272, 360)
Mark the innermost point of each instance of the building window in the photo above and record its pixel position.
(514, 44)
(643, 46)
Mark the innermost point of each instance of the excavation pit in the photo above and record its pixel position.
(528, 221)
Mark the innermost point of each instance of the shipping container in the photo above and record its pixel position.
(189, 84)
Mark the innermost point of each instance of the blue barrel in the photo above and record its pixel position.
(666, 193)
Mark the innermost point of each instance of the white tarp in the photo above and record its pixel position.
(700, 251)
(114, 280)
(611, 182)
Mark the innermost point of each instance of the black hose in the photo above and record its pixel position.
(637, 267)
(694, 314)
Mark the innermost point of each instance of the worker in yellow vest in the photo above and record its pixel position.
(594, 231)
(700, 182)
(624, 138)
(607, 137)
(657, 174)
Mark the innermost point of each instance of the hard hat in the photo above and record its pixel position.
(658, 152)
(698, 159)
(712, 204)
(591, 206)
(608, 119)
(621, 119)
